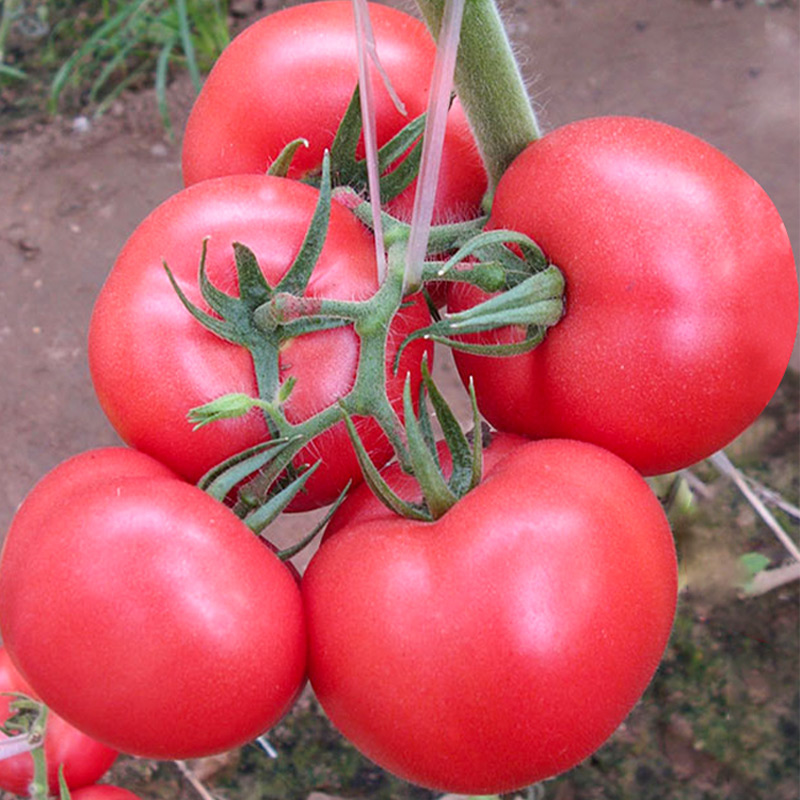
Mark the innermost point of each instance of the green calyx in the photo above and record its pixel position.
(26, 727)
(534, 305)
(263, 481)
(398, 159)
(440, 490)
(267, 478)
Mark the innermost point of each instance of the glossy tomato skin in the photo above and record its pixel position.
(681, 302)
(104, 792)
(178, 632)
(291, 75)
(505, 642)
(151, 361)
(84, 760)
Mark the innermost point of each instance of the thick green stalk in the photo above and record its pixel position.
(489, 84)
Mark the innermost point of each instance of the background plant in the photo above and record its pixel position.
(121, 44)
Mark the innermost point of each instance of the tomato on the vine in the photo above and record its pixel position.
(83, 760)
(681, 304)
(504, 642)
(178, 632)
(152, 362)
(291, 75)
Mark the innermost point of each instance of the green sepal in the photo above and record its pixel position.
(348, 170)
(375, 481)
(290, 552)
(254, 290)
(63, 788)
(425, 424)
(235, 324)
(281, 165)
(437, 493)
(345, 142)
(463, 477)
(277, 473)
(403, 175)
(23, 712)
(296, 279)
(491, 246)
(477, 437)
(536, 303)
(227, 406)
(532, 340)
(299, 327)
(489, 276)
(220, 481)
(217, 326)
(276, 503)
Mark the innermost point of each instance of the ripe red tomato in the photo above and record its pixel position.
(506, 641)
(178, 632)
(103, 792)
(151, 361)
(291, 75)
(84, 760)
(681, 305)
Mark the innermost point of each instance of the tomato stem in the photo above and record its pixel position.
(40, 789)
(489, 84)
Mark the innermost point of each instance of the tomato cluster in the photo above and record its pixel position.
(497, 631)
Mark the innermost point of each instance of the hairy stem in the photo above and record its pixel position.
(489, 84)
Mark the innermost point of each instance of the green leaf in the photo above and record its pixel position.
(753, 563)
(101, 34)
(12, 72)
(162, 73)
(188, 44)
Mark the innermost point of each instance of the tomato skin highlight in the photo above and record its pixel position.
(681, 301)
(152, 362)
(505, 642)
(291, 75)
(179, 632)
(104, 792)
(84, 760)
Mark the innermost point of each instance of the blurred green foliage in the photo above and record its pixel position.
(83, 53)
